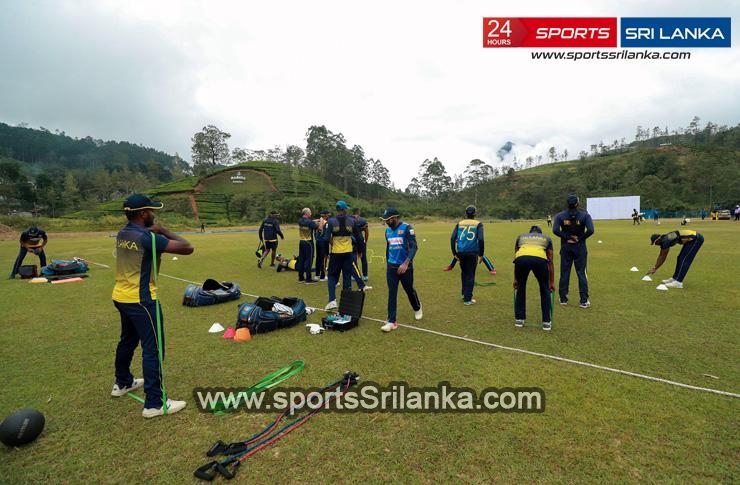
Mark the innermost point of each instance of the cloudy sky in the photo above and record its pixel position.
(406, 80)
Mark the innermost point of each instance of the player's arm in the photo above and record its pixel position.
(366, 233)
(589, 223)
(556, 226)
(177, 244)
(659, 262)
(453, 240)
(550, 268)
(481, 245)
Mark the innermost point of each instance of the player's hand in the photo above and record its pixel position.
(552, 286)
(404, 266)
(651, 271)
(493, 271)
(447, 268)
(516, 284)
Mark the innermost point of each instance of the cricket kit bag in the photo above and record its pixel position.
(210, 293)
(269, 314)
(61, 267)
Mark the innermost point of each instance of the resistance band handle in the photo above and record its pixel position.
(207, 472)
(228, 468)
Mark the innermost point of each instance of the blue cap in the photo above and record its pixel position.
(342, 205)
(572, 200)
(390, 212)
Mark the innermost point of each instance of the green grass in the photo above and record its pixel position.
(58, 345)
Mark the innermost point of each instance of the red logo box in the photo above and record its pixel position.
(543, 32)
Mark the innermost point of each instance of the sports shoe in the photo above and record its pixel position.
(364, 278)
(669, 280)
(418, 314)
(310, 281)
(547, 326)
(471, 302)
(332, 305)
(172, 407)
(323, 278)
(259, 264)
(121, 391)
(562, 302)
(585, 304)
(519, 323)
(389, 326)
(674, 284)
(366, 288)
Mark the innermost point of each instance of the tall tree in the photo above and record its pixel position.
(210, 149)
(434, 179)
(478, 172)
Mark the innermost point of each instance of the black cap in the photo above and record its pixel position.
(137, 202)
(33, 231)
(274, 213)
(653, 238)
(324, 212)
(470, 210)
(572, 200)
(536, 229)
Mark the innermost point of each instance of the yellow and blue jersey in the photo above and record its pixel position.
(532, 244)
(467, 237)
(134, 275)
(681, 236)
(340, 233)
(306, 227)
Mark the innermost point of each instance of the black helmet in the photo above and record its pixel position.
(33, 231)
(470, 210)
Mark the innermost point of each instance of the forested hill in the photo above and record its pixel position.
(55, 167)
(669, 177)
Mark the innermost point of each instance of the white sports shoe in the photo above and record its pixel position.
(121, 391)
(332, 305)
(389, 326)
(366, 288)
(546, 326)
(674, 284)
(519, 323)
(172, 408)
(669, 280)
(418, 314)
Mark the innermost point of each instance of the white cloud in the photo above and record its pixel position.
(405, 80)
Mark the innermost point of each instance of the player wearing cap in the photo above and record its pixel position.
(268, 233)
(341, 258)
(573, 226)
(690, 241)
(135, 295)
(32, 239)
(467, 247)
(400, 250)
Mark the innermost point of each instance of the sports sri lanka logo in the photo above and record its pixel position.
(602, 32)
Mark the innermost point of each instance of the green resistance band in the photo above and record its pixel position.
(160, 346)
(271, 380)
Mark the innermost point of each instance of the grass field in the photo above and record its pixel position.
(58, 346)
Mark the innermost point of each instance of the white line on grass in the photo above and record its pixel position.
(537, 354)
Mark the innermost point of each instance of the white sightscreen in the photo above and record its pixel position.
(612, 207)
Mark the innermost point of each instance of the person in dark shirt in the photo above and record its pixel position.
(34, 240)
(306, 228)
(573, 226)
(690, 241)
(361, 236)
(322, 246)
(533, 252)
(268, 233)
(341, 258)
(467, 247)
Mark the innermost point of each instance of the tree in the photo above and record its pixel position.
(433, 178)
(477, 172)
(210, 149)
(294, 155)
